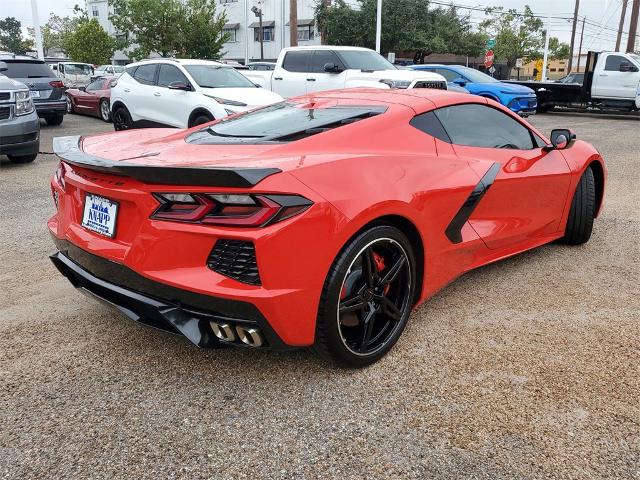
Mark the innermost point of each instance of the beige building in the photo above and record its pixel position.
(555, 69)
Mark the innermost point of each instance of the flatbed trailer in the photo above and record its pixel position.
(575, 96)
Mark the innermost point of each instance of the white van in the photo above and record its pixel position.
(73, 74)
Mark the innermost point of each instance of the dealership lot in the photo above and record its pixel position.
(527, 368)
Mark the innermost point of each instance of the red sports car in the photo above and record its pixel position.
(322, 220)
(93, 100)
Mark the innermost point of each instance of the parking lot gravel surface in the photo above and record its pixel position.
(528, 368)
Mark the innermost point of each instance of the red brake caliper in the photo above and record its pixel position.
(380, 266)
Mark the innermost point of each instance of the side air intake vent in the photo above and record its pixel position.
(235, 259)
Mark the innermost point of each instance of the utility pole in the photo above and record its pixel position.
(379, 26)
(36, 29)
(323, 33)
(580, 47)
(293, 23)
(633, 26)
(573, 36)
(621, 26)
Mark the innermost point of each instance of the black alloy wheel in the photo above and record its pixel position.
(369, 296)
(122, 119)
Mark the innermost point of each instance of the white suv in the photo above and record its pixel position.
(182, 93)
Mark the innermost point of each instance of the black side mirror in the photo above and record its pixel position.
(332, 68)
(3, 67)
(561, 138)
(180, 86)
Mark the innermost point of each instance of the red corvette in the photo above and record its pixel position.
(93, 100)
(322, 220)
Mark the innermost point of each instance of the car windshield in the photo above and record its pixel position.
(27, 70)
(635, 57)
(364, 60)
(476, 76)
(77, 69)
(285, 121)
(215, 76)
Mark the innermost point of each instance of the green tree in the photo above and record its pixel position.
(558, 50)
(89, 43)
(189, 28)
(407, 25)
(11, 38)
(517, 35)
(58, 28)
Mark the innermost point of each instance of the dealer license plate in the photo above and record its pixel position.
(35, 93)
(100, 215)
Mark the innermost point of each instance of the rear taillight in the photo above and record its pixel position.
(56, 84)
(238, 210)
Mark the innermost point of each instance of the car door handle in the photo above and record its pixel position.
(311, 79)
(156, 94)
(277, 78)
(604, 74)
(127, 90)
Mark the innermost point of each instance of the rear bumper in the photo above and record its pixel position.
(52, 107)
(156, 304)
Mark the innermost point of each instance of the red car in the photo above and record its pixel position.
(93, 100)
(322, 220)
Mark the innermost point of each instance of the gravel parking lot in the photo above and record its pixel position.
(528, 368)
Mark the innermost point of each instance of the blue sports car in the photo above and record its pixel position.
(519, 99)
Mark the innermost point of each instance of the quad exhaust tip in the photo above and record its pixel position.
(248, 335)
(223, 331)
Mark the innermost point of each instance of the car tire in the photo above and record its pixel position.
(350, 297)
(199, 119)
(22, 158)
(105, 112)
(583, 211)
(70, 107)
(122, 119)
(54, 119)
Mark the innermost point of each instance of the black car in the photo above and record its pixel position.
(574, 77)
(47, 90)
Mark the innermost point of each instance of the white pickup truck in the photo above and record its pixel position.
(611, 82)
(301, 70)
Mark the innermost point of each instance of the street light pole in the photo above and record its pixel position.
(379, 26)
(36, 29)
(246, 34)
(261, 36)
(546, 49)
(258, 13)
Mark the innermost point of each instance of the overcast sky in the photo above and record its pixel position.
(605, 14)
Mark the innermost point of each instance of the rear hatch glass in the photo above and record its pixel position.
(27, 70)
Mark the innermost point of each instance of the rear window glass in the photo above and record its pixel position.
(283, 122)
(27, 70)
(77, 69)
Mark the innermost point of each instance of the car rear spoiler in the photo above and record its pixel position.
(68, 149)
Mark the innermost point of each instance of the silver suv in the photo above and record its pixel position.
(19, 123)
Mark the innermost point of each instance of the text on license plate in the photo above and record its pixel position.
(35, 93)
(100, 215)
